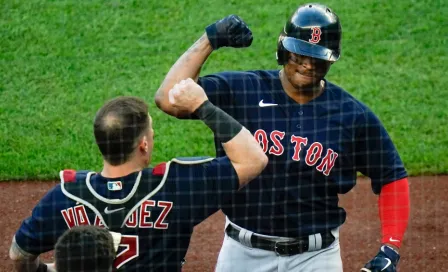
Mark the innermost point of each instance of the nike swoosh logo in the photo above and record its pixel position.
(393, 240)
(107, 211)
(262, 104)
(387, 265)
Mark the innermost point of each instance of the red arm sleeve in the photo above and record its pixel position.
(394, 209)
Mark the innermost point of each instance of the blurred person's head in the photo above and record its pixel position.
(123, 132)
(85, 248)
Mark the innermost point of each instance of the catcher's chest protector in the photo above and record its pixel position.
(113, 212)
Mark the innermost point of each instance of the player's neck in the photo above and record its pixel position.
(111, 171)
(301, 96)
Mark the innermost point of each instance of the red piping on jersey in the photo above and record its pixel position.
(394, 209)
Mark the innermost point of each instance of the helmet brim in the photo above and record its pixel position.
(308, 49)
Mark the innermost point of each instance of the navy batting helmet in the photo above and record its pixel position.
(313, 30)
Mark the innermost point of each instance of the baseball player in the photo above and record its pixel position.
(154, 209)
(317, 137)
(86, 248)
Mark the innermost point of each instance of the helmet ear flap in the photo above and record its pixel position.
(282, 53)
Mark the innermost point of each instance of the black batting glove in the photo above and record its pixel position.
(385, 261)
(230, 31)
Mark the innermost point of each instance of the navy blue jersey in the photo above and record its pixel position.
(155, 213)
(315, 151)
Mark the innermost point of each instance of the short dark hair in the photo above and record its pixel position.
(117, 127)
(85, 248)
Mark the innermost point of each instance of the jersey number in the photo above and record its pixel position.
(130, 242)
(130, 251)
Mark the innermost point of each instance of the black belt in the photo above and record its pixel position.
(289, 248)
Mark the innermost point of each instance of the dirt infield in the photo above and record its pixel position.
(425, 247)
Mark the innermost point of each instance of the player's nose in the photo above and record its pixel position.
(308, 62)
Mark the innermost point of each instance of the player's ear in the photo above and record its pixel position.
(144, 145)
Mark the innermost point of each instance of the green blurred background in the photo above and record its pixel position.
(61, 60)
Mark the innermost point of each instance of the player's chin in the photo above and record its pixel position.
(304, 81)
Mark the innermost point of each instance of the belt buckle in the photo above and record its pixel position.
(286, 250)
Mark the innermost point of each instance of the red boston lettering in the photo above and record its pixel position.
(277, 149)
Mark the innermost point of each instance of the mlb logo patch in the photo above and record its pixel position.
(114, 185)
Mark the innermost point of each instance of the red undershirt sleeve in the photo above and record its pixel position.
(394, 209)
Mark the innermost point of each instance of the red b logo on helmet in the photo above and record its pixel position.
(315, 35)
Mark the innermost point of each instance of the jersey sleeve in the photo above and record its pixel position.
(218, 87)
(376, 155)
(205, 187)
(39, 232)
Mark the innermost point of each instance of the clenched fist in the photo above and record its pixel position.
(187, 96)
(230, 31)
